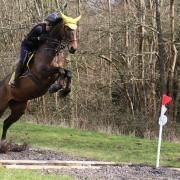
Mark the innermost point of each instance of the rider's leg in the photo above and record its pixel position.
(19, 66)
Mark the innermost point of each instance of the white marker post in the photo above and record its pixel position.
(162, 122)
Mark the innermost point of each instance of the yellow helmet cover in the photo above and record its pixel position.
(69, 21)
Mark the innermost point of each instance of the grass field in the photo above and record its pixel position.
(95, 145)
(12, 174)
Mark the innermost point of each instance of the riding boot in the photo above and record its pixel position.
(19, 70)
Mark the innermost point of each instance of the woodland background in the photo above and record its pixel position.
(128, 56)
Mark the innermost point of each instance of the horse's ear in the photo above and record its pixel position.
(69, 21)
(77, 19)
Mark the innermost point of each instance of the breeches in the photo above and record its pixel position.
(24, 52)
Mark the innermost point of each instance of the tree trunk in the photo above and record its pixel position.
(173, 58)
(162, 55)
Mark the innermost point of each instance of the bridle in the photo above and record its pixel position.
(60, 44)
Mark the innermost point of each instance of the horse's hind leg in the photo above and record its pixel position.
(3, 101)
(3, 107)
(17, 110)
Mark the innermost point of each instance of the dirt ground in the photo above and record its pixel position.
(120, 172)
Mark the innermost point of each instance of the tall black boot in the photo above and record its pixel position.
(18, 73)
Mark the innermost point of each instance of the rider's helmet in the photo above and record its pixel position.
(52, 18)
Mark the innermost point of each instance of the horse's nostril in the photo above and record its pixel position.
(72, 50)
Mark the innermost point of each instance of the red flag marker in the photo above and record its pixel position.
(166, 99)
(162, 122)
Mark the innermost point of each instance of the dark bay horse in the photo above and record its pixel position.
(44, 70)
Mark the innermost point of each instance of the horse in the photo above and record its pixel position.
(43, 71)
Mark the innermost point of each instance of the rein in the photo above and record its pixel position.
(61, 44)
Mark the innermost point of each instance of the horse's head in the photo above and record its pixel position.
(66, 31)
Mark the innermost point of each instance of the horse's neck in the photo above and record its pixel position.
(52, 44)
(57, 31)
(44, 56)
(49, 49)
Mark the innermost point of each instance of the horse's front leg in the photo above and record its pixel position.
(49, 70)
(46, 71)
(65, 91)
(58, 85)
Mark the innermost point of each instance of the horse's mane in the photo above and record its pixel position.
(60, 20)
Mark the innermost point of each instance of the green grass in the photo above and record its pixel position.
(95, 145)
(12, 174)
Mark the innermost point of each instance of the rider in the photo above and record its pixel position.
(31, 43)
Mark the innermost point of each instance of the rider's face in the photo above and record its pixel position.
(48, 27)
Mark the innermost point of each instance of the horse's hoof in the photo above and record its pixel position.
(54, 88)
(4, 146)
(51, 90)
(61, 71)
(19, 148)
(64, 92)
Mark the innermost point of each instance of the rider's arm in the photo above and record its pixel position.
(36, 32)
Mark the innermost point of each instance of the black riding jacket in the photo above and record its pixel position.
(34, 37)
